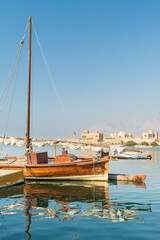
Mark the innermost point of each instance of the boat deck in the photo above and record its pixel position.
(20, 162)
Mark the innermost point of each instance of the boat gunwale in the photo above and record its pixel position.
(67, 164)
(10, 166)
(90, 162)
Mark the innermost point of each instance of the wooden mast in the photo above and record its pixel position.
(28, 88)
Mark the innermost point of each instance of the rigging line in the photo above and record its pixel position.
(13, 91)
(53, 84)
(10, 105)
(12, 98)
(9, 73)
(32, 106)
(14, 62)
(12, 76)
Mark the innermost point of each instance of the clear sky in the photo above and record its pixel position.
(104, 56)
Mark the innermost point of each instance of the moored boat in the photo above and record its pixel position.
(72, 170)
(37, 165)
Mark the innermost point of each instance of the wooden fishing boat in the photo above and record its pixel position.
(71, 170)
(38, 166)
(65, 166)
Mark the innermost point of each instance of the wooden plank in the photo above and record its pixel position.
(67, 170)
(10, 177)
(125, 177)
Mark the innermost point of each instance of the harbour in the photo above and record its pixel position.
(74, 210)
(15, 169)
(37, 165)
(79, 120)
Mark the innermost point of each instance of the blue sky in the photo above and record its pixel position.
(104, 57)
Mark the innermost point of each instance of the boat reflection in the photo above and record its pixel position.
(65, 201)
(131, 183)
(70, 198)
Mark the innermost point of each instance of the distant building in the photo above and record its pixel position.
(96, 136)
(114, 135)
(121, 134)
(150, 135)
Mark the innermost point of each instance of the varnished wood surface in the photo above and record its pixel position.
(76, 163)
(12, 167)
(77, 168)
(67, 169)
(125, 177)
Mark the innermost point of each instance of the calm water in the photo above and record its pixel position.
(73, 210)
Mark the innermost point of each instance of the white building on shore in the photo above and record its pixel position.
(121, 134)
(150, 135)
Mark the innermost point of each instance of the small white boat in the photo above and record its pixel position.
(123, 153)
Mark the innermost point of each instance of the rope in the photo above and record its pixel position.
(15, 62)
(54, 85)
(12, 100)
(11, 78)
(9, 73)
(22, 41)
(32, 104)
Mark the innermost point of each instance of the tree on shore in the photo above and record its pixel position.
(131, 143)
(145, 143)
(154, 144)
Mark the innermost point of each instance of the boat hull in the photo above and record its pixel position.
(87, 171)
(100, 177)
